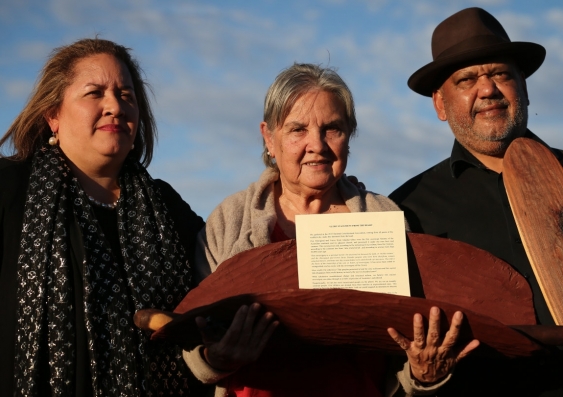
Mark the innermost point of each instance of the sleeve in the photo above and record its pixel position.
(186, 222)
(200, 368)
(208, 255)
(216, 241)
(400, 383)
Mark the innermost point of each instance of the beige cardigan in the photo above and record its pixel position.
(246, 220)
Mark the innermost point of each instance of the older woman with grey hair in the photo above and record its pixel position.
(309, 119)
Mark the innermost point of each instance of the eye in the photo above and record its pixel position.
(465, 81)
(129, 96)
(502, 75)
(94, 93)
(298, 130)
(334, 132)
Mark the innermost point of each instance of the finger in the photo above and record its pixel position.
(453, 333)
(234, 331)
(418, 334)
(263, 323)
(247, 329)
(403, 342)
(467, 349)
(433, 338)
(265, 337)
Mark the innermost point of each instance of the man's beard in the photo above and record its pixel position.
(490, 143)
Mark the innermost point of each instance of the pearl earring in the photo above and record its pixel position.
(53, 140)
(132, 146)
(268, 153)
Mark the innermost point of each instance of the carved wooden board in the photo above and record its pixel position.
(534, 183)
(454, 275)
(451, 271)
(336, 317)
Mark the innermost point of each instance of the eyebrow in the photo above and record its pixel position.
(294, 124)
(333, 123)
(127, 87)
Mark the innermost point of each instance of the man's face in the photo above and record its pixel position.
(486, 106)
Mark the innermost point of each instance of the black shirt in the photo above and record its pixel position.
(460, 199)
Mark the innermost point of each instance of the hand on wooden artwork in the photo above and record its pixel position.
(240, 344)
(432, 357)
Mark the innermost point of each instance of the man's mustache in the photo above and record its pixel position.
(489, 102)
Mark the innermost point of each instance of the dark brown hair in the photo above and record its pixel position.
(30, 130)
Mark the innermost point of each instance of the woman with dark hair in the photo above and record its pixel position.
(87, 237)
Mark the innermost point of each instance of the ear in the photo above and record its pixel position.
(438, 101)
(268, 137)
(52, 119)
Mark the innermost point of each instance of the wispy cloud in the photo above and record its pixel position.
(211, 62)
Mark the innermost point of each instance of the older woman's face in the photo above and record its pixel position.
(97, 121)
(311, 146)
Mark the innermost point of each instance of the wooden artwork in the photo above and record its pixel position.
(534, 183)
(445, 273)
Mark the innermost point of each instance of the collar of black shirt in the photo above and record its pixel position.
(461, 158)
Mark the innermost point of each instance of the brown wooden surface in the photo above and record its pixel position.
(451, 271)
(477, 283)
(534, 183)
(469, 277)
(357, 319)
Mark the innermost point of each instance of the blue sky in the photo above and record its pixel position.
(210, 63)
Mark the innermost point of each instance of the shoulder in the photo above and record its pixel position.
(167, 191)
(378, 202)
(179, 209)
(252, 196)
(232, 209)
(11, 167)
(14, 176)
(434, 174)
(232, 204)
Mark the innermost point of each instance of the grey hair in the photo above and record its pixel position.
(291, 84)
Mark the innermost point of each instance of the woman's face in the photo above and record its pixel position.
(311, 146)
(97, 121)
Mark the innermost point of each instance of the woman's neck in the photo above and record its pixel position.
(100, 184)
(290, 203)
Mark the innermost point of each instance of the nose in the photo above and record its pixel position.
(112, 105)
(487, 87)
(316, 141)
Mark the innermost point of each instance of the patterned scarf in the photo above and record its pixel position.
(152, 271)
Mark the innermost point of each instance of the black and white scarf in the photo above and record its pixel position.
(152, 271)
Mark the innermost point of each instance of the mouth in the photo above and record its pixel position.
(317, 163)
(111, 128)
(491, 109)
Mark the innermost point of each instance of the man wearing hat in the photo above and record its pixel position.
(477, 82)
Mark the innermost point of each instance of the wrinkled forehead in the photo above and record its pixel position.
(481, 63)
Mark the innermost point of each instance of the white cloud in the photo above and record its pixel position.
(211, 62)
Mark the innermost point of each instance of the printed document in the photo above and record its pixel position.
(364, 251)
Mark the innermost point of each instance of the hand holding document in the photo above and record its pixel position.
(365, 251)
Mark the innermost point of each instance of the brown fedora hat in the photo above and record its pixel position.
(470, 35)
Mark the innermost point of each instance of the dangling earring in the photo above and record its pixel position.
(53, 140)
